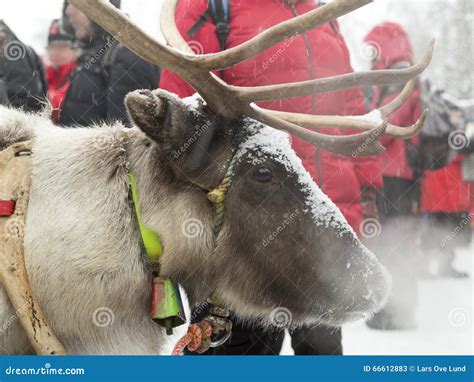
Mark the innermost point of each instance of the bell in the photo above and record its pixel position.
(166, 304)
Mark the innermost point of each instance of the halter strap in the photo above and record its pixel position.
(218, 194)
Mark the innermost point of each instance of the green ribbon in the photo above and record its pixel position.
(151, 240)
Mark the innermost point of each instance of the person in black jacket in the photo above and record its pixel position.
(106, 72)
(22, 79)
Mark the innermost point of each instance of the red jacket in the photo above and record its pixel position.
(341, 178)
(444, 191)
(58, 83)
(393, 47)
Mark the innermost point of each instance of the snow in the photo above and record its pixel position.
(194, 101)
(445, 321)
(374, 117)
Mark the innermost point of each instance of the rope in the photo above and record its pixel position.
(217, 195)
(195, 339)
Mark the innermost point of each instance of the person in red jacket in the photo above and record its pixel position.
(61, 61)
(445, 196)
(321, 52)
(398, 202)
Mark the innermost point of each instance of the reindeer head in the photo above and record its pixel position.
(282, 243)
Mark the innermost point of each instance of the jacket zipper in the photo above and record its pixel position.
(312, 74)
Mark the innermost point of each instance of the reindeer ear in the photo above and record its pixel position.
(190, 139)
(151, 111)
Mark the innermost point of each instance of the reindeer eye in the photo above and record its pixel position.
(263, 174)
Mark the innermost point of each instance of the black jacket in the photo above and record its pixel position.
(105, 73)
(22, 72)
(3, 91)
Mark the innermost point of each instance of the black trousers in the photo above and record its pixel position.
(397, 248)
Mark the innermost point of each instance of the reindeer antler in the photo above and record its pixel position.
(232, 102)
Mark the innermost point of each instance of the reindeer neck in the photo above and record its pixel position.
(181, 215)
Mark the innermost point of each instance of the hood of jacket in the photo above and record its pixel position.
(392, 44)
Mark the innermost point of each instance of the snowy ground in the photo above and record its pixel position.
(445, 321)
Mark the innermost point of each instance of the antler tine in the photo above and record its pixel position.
(264, 40)
(363, 144)
(351, 123)
(362, 122)
(170, 30)
(399, 100)
(344, 81)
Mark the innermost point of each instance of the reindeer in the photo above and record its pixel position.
(83, 250)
